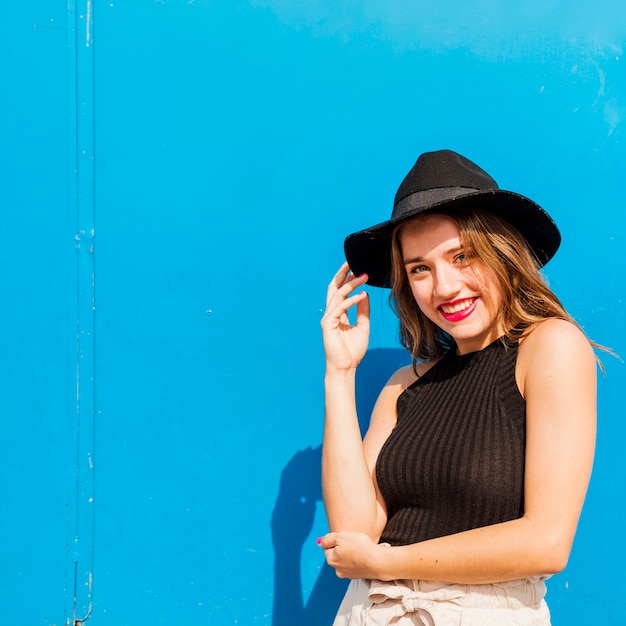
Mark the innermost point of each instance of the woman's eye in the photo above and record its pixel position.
(462, 258)
(418, 269)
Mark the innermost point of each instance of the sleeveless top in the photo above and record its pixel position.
(455, 459)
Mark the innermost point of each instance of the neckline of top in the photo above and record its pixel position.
(503, 340)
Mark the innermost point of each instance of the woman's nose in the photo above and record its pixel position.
(446, 284)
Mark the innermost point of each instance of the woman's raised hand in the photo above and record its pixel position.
(345, 344)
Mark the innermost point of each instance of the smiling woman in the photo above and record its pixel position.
(486, 251)
(456, 505)
(454, 294)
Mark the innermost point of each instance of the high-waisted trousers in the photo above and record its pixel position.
(419, 603)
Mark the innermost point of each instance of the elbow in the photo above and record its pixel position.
(549, 545)
(553, 556)
(554, 564)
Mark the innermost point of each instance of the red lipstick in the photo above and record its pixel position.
(458, 309)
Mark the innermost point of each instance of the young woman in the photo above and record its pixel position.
(465, 493)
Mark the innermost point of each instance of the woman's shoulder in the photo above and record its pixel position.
(554, 335)
(552, 346)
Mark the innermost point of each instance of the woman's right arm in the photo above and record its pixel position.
(351, 496)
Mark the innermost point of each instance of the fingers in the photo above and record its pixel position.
(327, 541)
(344, 562)
(340, 277)
(345, 343)
(338, 298)
(339, 307)
(343, 283)
(363, 312)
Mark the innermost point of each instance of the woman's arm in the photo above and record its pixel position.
(351, 496)
(556, 374)
(350, 493)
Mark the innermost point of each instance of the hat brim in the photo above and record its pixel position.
(369, 251)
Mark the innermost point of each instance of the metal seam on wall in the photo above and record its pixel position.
(81, 490)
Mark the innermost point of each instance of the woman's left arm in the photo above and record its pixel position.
(556, 373)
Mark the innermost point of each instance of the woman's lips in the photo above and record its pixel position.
(457, 310)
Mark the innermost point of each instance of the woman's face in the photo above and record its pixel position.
(455, 292)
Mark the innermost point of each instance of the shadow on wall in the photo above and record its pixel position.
(299, 493)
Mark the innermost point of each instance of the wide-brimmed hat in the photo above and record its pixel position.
(445, 180)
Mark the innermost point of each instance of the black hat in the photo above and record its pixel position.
(443, 180)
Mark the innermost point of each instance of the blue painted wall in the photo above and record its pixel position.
(177, 179)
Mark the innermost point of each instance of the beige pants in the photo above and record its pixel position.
(419, 603)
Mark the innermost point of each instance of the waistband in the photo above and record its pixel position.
(435, 604)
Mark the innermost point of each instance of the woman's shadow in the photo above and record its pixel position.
(299, 494)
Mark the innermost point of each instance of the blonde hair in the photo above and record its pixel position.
(507, 259)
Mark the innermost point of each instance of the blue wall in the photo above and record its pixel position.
(177, 180)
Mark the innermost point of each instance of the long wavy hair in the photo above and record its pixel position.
(505, 258)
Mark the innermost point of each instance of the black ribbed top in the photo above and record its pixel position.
(455, 459)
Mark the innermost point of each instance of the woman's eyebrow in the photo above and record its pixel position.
(419, 259)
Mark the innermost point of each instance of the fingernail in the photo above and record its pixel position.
(318, 541)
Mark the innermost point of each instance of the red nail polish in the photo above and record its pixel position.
(318, 541)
